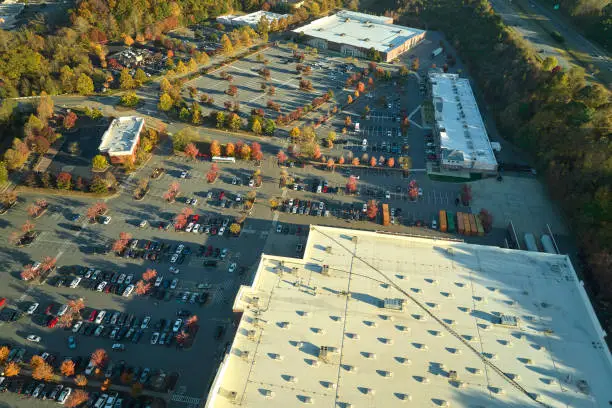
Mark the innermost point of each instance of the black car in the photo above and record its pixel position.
(183, 313)
(5, 384)
(29, 389)
(137, 336)
(210, 264)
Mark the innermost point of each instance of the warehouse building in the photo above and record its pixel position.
(121, 139)
(377, 319)
(250, 19)
(357, 34)
(459, 131)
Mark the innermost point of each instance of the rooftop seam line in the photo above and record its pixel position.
(451, 331)
(344, 320)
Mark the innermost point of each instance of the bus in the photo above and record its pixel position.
(219, 159)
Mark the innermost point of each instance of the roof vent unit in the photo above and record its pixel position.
(251, 334)
(325, 351)
(294, 270)
(325, 270)
(508, 321)
(244, 354)
(306, 399)
(255, 300)
(275, 356)
(393, 303)
(403, 397)
(328, 249)
(452, 375)
(354, 239)
(230, 395)
(266, 393)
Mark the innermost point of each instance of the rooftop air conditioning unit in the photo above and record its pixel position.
(393, 304)
(325, 270)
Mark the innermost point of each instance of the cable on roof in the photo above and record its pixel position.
(512, 382)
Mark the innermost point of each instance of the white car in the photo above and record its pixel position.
(128, 279)
(388, 195)
(177, 325)
(143, 223)
(64, 395)
(33, 338)
(251, 183)
(38, 390)
(232, 267)
(101, 286)
(106, 220)
(159, 280)
(188, 201)
(90, 367)
(221, 231)
(434, 224)
(33, 308)
(128, 291)
(62, 310)
(223, 253)
(174, 270)
(364, 208)
(238, 198)
(154, 338)
(279, 228)
(184, 174)
(75, 282)
(420, 192)
(196, 229)
(77, 326)
(321, 205)
(121, 279)
(174, 258)
(234, 180)
(174, 283)
(100, 316)
(365, 142)
(145, 322)
(180, 248)
(194, 201)
(189, 227)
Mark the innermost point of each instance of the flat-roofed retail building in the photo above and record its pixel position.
(357, 34)
(380, 320)
(461, 135)
(121, 139)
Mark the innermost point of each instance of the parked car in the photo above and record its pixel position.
(33, 308)
(33, 338)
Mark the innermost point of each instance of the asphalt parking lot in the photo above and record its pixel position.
(283, 77)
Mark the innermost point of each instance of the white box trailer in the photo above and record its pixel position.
(530, 242)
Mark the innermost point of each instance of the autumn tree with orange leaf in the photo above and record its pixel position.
(76, 398)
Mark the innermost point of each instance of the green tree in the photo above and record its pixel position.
(85, 85)
(256, 126)
(129, 99)
(182, 138)
(164, 85)
(220, 117)
(269, 126)
(125, 80)
(140, 77)
(226, 45)
(196, 113)
(165, 102)
(99, 162)
(184, 114)
(234, 122)
(3, 172)
(98, 185)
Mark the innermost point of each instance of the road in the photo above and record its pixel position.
(532, 21)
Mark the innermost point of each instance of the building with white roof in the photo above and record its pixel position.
(121, 139)
(461, 134)
(251, 19)
(375, 319)
(355, 34)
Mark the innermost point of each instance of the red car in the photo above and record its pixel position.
(53, 322)
(48, 309)
(221, 195)
(209, 250)
(2, 301)
(93, 315)
(195, 218)
(213, 231)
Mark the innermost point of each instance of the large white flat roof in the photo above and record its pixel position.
(465, 137)
(359, 30)
(251, 19)
(445, 345)
(121, 137)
